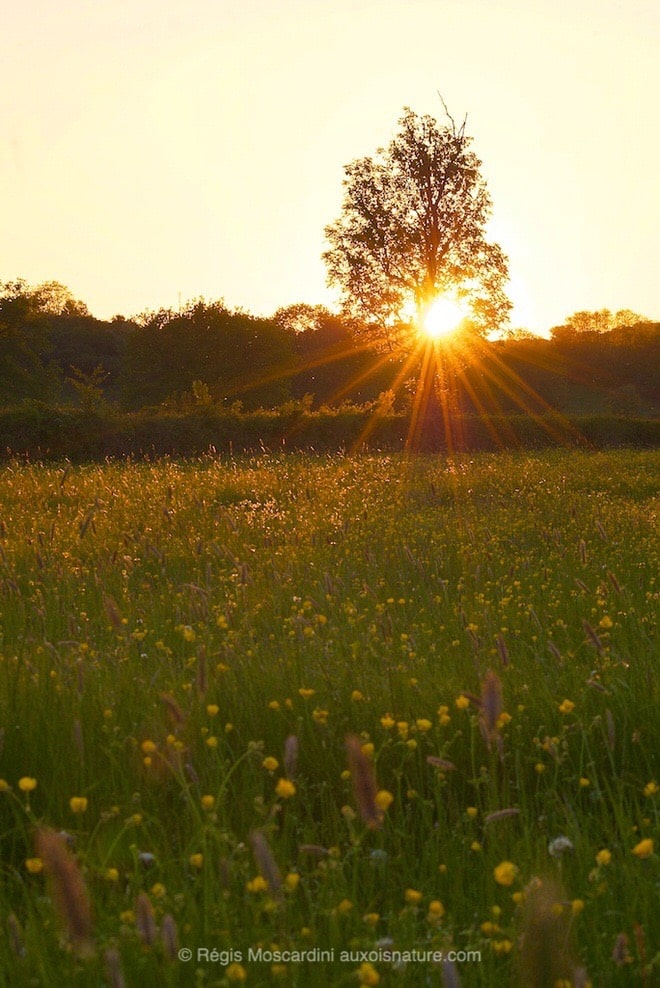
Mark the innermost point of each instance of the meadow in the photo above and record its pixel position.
(374, 706)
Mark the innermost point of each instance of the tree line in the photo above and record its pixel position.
(52, 350)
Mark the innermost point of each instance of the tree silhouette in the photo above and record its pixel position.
(412, 227)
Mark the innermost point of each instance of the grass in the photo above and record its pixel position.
(483, 627)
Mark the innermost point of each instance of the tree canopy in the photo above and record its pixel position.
(412, 228)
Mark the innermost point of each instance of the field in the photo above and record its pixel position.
(352, 705)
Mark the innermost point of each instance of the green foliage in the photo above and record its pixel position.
(481, 624)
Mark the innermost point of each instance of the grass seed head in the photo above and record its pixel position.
(68, 888)
(364, 783)
(266, 863)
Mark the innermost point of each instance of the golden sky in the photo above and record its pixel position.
(157, 149)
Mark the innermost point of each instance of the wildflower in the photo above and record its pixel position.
(273, 705)
(4, 785)
(208, 802)
(285, 789)
(212, 709)
(291, 881)
(423, 725)
(475, 846)
(584, 783)
(383, 800)
(471, 812)
(559, 845)
(644, 849)
(577, 905)
(212, 742)
(270, 764)
(436, 911)
(603, 857)
(368, 975)
(368, 749)
(387, 721)
(158, 890)
(651, 788)
(505, 873)
(462, 702)
(257, 884)
(320, 716)
(236, 973)
(196, 861)
(566, 707)
(412, 897)
(26, 784)
(356, 696)
(34, 865)
(371, 919)
(188, 633)
(111, 875)
(306, 693)
(78, 804)
(344, 907)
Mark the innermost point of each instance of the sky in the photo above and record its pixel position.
(155, 151)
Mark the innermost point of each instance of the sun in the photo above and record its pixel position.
(442, 317)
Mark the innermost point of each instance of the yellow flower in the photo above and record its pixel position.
(475, 846)
(462, 702)
(212, 709)
(436, 911)
(111, 875)
(4, 785)
(305, 693)
(158, 890)
(402, 728)
(285, 789)
(196, 861)
(257, 884)
(371, 919)
(368, 975)
(644, 849)
(577, 905)
(292, 881)
(501, 946)
(605, 622)
(566, 706)
(236, 972)
(471, 812)
(212, 742)
(505, 873)
(26, 784)
(412, 897)
(148, 747)
(320, 716)
(387, 721)
(356, 696)
(188, 633)
(273, 705)
(208, 802)
(78, 804)
(651, 788)
(34, 865)
(344, 907)
(384, 800)
(270, 764)
(603, 857)
(423, 725)
(584, 783)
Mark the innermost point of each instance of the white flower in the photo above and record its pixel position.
(558, 846)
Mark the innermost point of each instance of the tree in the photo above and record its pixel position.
(412, 227)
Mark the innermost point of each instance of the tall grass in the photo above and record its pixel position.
(188, 649)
